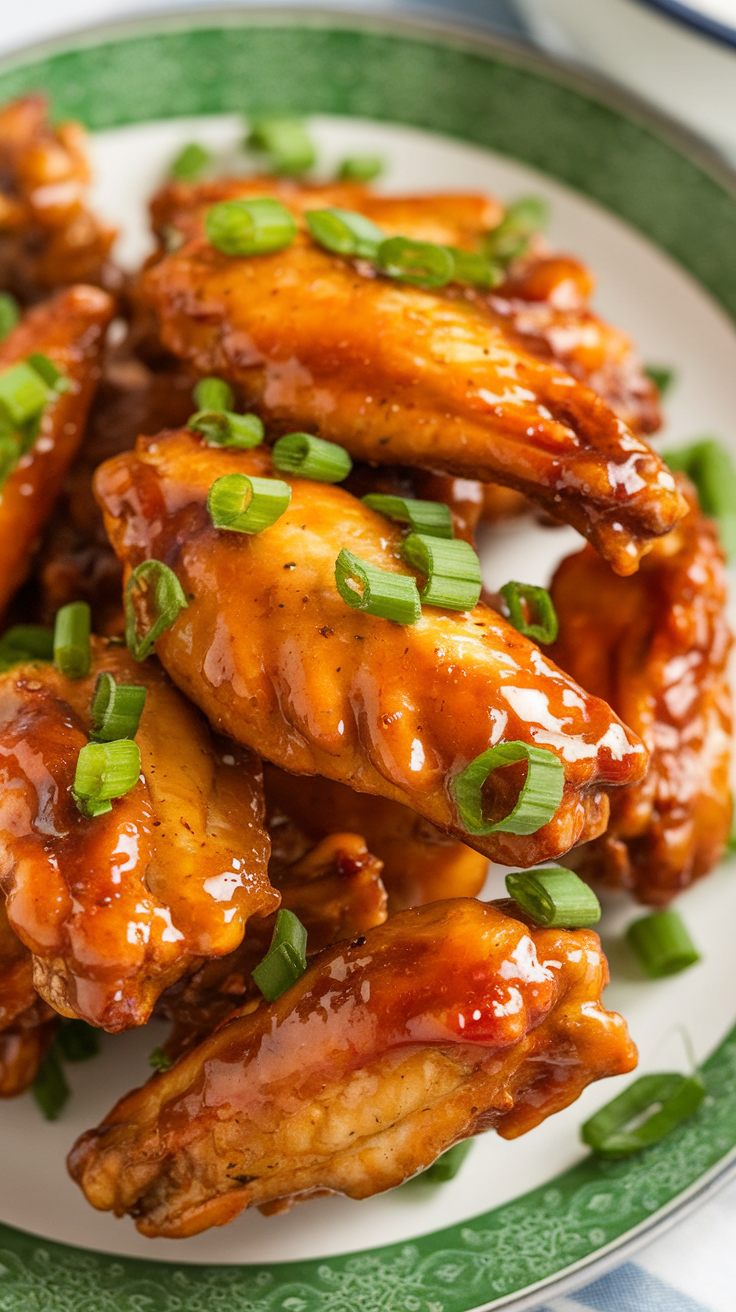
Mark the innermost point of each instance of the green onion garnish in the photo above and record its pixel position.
(377, 591)
(662, 944)
(72, 653)
(77, 1040)
(213, 394)
(25, 642)
(285, 141)
(52, 375)
(104, 771)
(312, 457)
(190, 163)
(345, 232)
(10, 451)
(511, 237)
(451, 567)
(159, 1060)
(116, 709)
(249, 227)
(286, 959)
(223, 428)
(161, 592)
(9, 314)
(244, 504)
(475, 269)
(531, 611)
(709, 466)
(447, 1165)
(555, 898)
(421, 263)
(618, 1130)
(661, 376)
(360, 168)
(50, 1088)
(432, 518)
(23, 393)
(537, 799)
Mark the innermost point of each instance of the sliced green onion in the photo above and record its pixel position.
(345, 232)
(662, 944)
(213, 394)
(159, 1060)
(710, 467)
(10, 452)
(421, 263)
(160, 591)
(25, 642)
(474, 269)
(223, 428)
(116, 709)
(244, 504)
(72, 653)
(312, 457)
(555, 898)
(451, 567)
(104, 771)
(618, 1130)
(286, 959)
(50, 1088)
(52, 375)
(661, 376)
(249, 227)
(360, 168)
(537, 800)
(23, 393)
(9, 314)
(377, 591)
(286, 141)
(190, 163)
(447, 1166)
(531, 611)
(432, 518)
(77, 1040)
(511, 237)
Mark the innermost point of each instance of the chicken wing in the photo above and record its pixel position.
(278, 661)
(17, 994)
(402, 375)
(447, 1021)
(22, 1049)
(656, 646)
(115, 908)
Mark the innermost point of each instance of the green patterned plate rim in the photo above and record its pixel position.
(616, 152)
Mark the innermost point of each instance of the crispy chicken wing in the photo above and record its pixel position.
(68, 329)
(656, 647)
(23, 1047)
(447, 1021)
(17, 993)
(115, 908)
(401, 375)
(277, 660)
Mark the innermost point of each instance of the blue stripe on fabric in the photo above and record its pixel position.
(631, 1289)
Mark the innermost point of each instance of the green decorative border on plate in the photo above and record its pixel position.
(618, 154)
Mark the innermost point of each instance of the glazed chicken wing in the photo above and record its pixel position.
(116, 907)
(278, 661)
(402, 375)
(23, 1047)
(656, 647)
(447, 1021)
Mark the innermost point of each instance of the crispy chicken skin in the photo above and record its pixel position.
(447, 1021)
(22, 1049)
(48, 237)
(115, 908)
(278, 661)
(401, 375)
(17, 993)
(69, 329)
(656, 646)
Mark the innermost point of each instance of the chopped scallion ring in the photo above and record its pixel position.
(432, 518)
(155, 590)
(214, 394)
(662, 944)
(23, 393)
(52, 375)
(116, 709)
(618, 1130)
(555, 898)
(285, 141)
(25, 642)
(662, 377)
(286, 959)
(377, 591)
(420, 263)
(159, 1060)
(710, 467)
(475, 270)
(244, 504)
(50, 1088)
(531, 611)
(190, 163)
(345, 232)
(104, 771)
(360, 168)
(223, 428)
(447, 1165)
(9, 314)
(451, 567)
(511, 237)
(249, 227)
(311, 457)
(10, 451)
(72, 654)
(536, 801)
